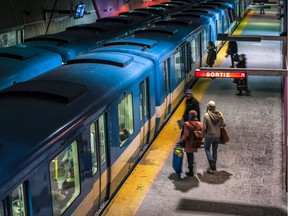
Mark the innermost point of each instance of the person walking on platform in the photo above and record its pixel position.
(232, 51)
(189, 140)
(261, 8)
(241, 83)
(191, 104)
(212, 54)
(212, 121)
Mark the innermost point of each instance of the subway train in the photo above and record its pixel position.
(42, 53)
(71, 136)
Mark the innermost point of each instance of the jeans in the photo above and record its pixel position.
(190, 159)
(207, 146)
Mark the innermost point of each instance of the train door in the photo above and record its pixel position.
(144, 113)
(167, 86)
(98, 143)
(186, 50)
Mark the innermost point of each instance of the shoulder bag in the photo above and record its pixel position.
(224, 138)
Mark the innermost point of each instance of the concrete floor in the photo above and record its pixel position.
(249, 176)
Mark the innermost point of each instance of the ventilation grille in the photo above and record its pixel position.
(53, 90)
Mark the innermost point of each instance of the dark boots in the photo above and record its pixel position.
(212, 167)
(190, 173)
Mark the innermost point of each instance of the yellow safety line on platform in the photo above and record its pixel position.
(129, 197)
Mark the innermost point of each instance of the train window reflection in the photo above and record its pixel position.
(102, 139)
(193, 50)
(204, 40)
(125, 118)
(18, 201)
(93, 149)
(64, 177)
(1, 208)
(178, 67)
(219, 26)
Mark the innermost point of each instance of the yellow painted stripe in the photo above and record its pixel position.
(131, 194)
(244, 23)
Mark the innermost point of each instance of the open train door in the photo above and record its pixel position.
(144, 114)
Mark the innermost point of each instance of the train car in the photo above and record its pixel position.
(81, 39)
(67, 140)
(20, 64)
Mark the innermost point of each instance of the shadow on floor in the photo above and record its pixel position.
(218, 177)
(184, 184)
(228, 208)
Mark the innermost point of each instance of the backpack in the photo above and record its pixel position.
(194, 135)
(236, 57)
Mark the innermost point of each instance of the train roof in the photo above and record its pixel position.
(81, 39)
(223, 4)
(19, 64)
(215, 5)
(156, 42)
(194, 17)
(34, 113)
(210, 7)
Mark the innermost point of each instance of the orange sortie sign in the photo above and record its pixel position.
(219, 74)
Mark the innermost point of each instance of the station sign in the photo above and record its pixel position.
(220, 74)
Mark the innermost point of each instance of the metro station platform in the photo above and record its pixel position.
(249, 177)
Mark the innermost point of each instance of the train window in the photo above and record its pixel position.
(125, 118)
(1, 208)
(143, 99)
(64, 177)
(178, 66)
(102, 138)
(209, 34)
(187, 63)
(18, 201)
(166, 73)
(219, 26)
(204, 40)
(193, 50)
(93, 149)
(226, 21)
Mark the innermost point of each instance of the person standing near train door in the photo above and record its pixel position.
(191, 104)
(212, 54)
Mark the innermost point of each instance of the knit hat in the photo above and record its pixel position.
(192, 114)
(188, 91)
(211, 105)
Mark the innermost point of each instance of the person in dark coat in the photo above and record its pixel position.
(232, 50)
(191, 104)
(187, 139)
(241, 83)
(211, 57)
